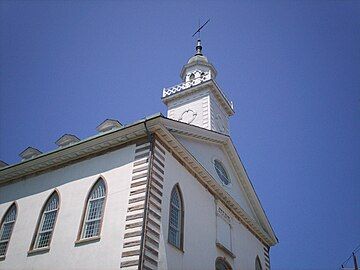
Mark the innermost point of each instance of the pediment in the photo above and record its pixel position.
(206, 146)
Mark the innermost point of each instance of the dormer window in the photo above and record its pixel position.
(192, 76)
(221, 172)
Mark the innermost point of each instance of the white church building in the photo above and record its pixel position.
(161, 193)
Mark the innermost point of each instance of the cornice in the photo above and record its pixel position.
(214, 88)
(249, 189)
(88, 147)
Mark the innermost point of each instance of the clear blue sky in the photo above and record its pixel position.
(292, 69)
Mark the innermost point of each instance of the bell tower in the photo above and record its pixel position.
(198, 100)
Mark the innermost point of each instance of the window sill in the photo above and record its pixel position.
(38, 251)
(177, 248)
(85, 241)
(227, 251)
(2, 257)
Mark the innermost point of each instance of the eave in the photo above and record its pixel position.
(82, 149)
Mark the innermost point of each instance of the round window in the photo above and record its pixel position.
(220, 170)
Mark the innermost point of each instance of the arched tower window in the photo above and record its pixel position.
(258, 264)
(176, 218)
(94, 211)
(6, 228)
(46, 222)
(221, 264)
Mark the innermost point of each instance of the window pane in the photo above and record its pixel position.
(99, 191)
(175, 200)
(11, 215)
(175, 217)
(92, 228)
(6, 231)
(174, 237)
(44, 239)
(49, 220)
(221, 265)
(53, 203)
(95, 209)
(3, 248)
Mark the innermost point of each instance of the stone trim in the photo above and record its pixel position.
(131, 252)
(143, 218)
(152, 223)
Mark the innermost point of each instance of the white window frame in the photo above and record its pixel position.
(39, 228)
(179, 229)
(85, 219)
(12, 224)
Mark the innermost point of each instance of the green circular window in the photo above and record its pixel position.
(220, 170)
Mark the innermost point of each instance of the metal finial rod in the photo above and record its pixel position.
(201, 27)
(198, 48)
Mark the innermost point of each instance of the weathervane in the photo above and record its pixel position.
(199, 29)
(198, 46)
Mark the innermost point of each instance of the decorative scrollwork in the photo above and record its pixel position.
(188, 116)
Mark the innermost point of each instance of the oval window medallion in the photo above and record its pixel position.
(221, 172)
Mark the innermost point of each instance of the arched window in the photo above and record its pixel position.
(94, 211)
(258, 264)
(176, 218)
(220, 170)
(6, 228)
(46, 222)
(221, 264)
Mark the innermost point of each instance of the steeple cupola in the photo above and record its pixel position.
(198, 100)
(197, 66)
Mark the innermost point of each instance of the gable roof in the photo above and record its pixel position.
(163, 128)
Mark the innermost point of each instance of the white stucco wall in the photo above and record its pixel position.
(205, 153)
(73, 183)
(200, 251)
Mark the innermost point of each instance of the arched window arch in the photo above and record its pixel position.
(258, 264)
(94, 211)
(176, 218)
(6, 228)
(222, 264)
(46, 222)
